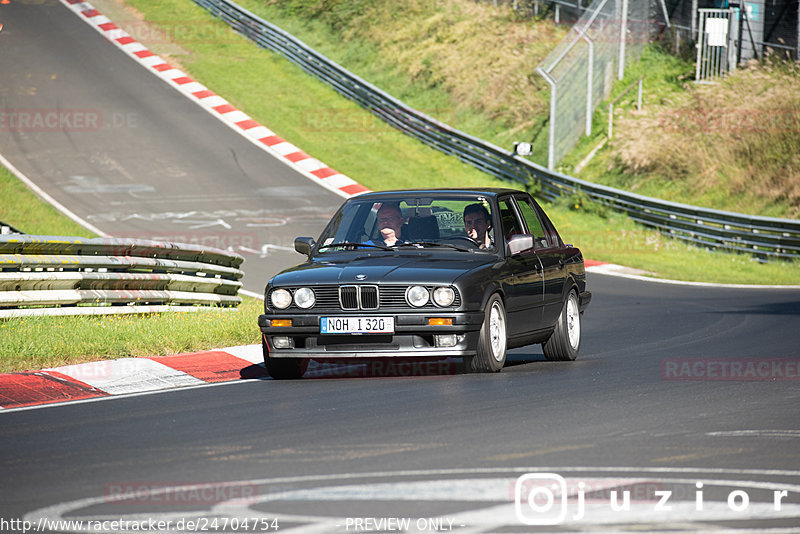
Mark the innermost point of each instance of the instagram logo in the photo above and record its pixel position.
(540, 499)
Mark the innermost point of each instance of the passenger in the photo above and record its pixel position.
(477, 223)
(390, 222)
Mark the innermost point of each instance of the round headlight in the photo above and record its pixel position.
(444, 296)
(304, 298)
(281, 299)
(417, 296)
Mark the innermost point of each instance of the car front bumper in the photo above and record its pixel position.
(412, 337)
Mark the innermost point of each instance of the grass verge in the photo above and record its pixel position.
(42, 342)
(21, 208)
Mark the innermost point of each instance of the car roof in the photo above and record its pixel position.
(486, 191)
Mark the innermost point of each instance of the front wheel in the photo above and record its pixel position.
(491, 351)
(565, 341)
(283, 368)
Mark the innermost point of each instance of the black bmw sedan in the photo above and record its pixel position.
(438, 273)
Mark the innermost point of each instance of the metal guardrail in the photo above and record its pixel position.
(761, 236)
(50, 275)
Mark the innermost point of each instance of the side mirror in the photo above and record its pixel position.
(303, 245)
(520, 243)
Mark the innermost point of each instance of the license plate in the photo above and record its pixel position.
(356, 325)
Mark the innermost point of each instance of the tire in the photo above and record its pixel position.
(283, 368)
(565, 341)
(492, 340)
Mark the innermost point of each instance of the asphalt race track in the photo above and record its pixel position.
(684, 397)
(451, 445)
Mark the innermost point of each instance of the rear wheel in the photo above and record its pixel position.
(565, 341)
(491, 351)
(283, 368)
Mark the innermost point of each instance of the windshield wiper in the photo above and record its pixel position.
(351, 244)
(432, 244)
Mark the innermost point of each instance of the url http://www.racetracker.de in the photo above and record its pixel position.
(202, 524)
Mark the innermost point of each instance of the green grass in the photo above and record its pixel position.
(462, 62)
(614, 238)
(22, 209)
(42, 342)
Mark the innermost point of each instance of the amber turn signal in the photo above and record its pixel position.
(440, 321)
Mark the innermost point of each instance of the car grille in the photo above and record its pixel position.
(358, 297)
(366, 297)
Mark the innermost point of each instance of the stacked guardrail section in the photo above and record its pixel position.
(762, 236)
(49, 275)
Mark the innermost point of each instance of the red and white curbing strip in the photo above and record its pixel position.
(236, 119)
(127, 375)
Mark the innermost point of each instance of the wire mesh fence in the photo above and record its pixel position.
(607, 34)
(583, 67)
(775, 24)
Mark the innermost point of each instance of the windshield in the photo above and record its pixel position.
(456, 223)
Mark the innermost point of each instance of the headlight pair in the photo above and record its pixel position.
(303, 298)
(418, 296)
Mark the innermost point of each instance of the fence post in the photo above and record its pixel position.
(639, 96)
(589, 79)
(623, 37)
(700, 44)
(551, 148)
(610, 120)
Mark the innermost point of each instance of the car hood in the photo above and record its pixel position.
(374, 269)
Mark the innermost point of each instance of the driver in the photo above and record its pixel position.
(390, 222)
(477, 223)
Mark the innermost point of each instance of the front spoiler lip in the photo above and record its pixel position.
(376, 355)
